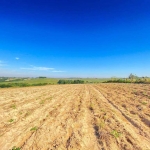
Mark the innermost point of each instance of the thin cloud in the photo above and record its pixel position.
(38, 68)
(58, 71)
(17, 58)
(2, 63)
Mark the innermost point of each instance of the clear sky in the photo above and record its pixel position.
(74, 38)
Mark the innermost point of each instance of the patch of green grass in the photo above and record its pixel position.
(16, 148)
(144, 103)
(34, 128)
(94, 80)
(11, 120)
(115, 133)
(102, 110)
(102, 124)
(13, 106)
(42, 102)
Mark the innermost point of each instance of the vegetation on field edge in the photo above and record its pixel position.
(70, 82)
(21, 85)
(6, 82)
(131, 79)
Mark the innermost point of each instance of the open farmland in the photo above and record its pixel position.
(76, 117)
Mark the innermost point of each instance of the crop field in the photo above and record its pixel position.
(26, 82)
(103, 116)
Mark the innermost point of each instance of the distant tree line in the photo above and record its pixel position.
(2, 79)
(131, 79)
(42, 77)
(70, 82)
(21, 85)
(132, 76)
(118, 81)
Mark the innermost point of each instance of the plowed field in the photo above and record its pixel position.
(76, 117)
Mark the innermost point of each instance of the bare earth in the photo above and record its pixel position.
(76, 117)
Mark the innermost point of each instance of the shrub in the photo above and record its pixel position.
(115, 133)
(70, 82)
(16, 148)
(34, 129)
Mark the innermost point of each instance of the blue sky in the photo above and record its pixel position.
(62, 38)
